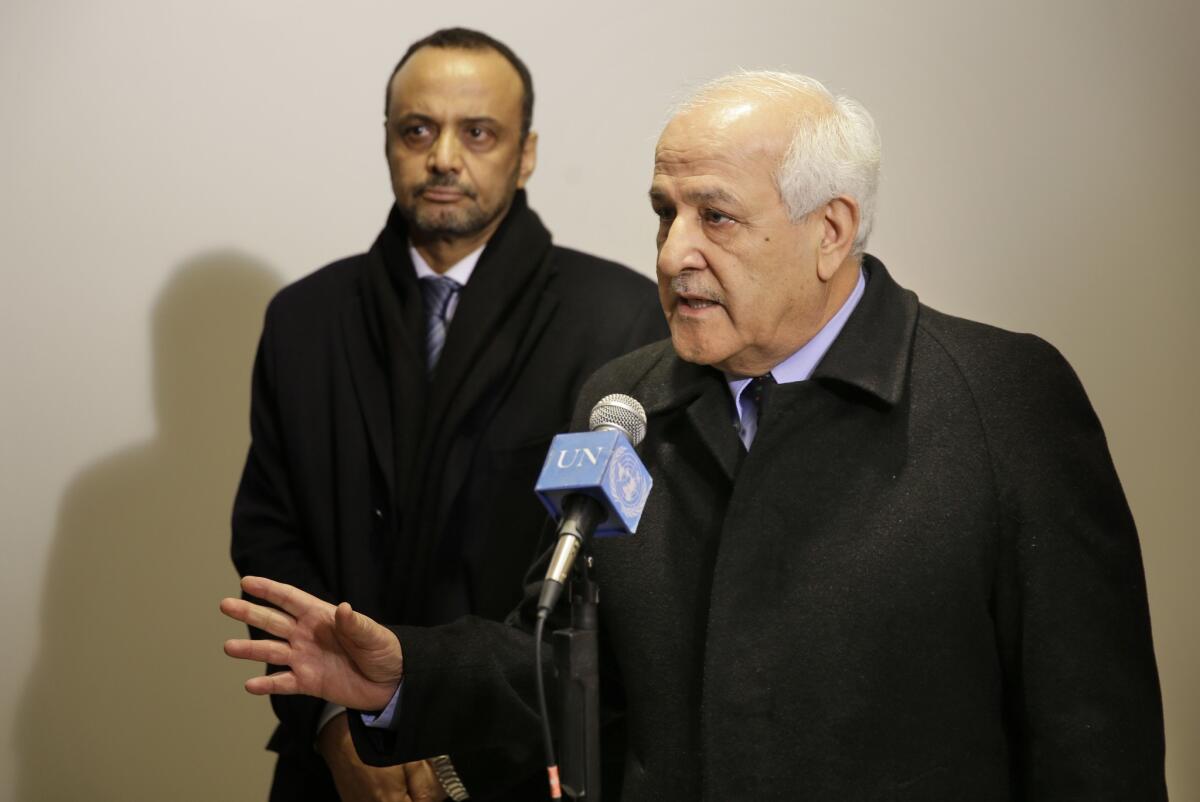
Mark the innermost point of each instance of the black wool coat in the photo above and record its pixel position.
(411, 497)
(921, 583)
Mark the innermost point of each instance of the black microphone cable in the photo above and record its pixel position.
(547, 738)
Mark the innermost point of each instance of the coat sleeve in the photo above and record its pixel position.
(470, 689)
(267, 540)
(470, 693)
(1083, 700)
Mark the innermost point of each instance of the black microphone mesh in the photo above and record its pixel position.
(618, 411)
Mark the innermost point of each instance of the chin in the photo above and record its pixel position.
(442, 222)
(690, 349)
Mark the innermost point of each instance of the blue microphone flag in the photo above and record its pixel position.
(600, 464)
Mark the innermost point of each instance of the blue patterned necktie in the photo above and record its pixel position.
(754, 400)
(436, 292)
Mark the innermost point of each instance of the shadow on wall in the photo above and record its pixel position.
(130, 697)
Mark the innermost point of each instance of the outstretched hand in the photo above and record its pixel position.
(331, 652)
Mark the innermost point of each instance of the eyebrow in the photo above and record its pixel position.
(492, 121)
(416, 115)
(696, 197)
(701, 197)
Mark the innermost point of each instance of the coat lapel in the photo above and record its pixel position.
(371, 387)
(387, 367)
(873, 350)
(703, 395)
(712, 416)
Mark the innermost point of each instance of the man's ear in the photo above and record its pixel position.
(839, 228)
(528, 159)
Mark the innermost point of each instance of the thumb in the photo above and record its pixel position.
(355, 629)
(367, 641)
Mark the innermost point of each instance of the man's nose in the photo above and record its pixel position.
(680, 247)
(445, 156)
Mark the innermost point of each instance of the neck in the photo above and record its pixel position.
(840, 287)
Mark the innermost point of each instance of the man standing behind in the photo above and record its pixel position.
(403, 399)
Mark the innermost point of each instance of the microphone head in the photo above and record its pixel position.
(620, 412)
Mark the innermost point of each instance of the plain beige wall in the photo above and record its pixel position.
(166, 166)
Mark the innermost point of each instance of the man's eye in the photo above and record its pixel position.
(477, 134)
(417, 133)
(716, 218)
(664, 214)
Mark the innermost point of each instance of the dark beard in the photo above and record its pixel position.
(452, 224)
(445, 223)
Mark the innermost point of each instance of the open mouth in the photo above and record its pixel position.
(692, 297)
(696, 304)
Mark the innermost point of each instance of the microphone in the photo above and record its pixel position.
(595, 484)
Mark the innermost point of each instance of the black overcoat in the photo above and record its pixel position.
(922, 583)
(411, 498)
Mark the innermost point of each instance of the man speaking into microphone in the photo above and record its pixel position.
(886, 555)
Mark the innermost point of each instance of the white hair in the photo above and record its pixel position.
(834, 149)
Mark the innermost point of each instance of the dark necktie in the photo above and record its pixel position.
(754, 400)
(436, 292)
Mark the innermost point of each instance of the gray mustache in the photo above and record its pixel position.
(688, 284)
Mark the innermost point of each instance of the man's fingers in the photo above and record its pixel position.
(267, 619)
(274, 652)
(287, 597)
(284, 684)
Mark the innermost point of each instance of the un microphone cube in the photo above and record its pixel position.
(602, 465)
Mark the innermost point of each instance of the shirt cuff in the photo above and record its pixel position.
(328, 713)
(384, 718)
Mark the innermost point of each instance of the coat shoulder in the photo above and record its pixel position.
(1018, 382)
(606, 308)
(320, 293)
(626, 374)
(990, 356)
(598, 280)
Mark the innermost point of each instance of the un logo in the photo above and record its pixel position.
(628, 484)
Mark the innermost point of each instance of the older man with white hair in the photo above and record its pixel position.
(886, 555)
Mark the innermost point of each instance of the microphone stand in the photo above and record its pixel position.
(577, 664)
